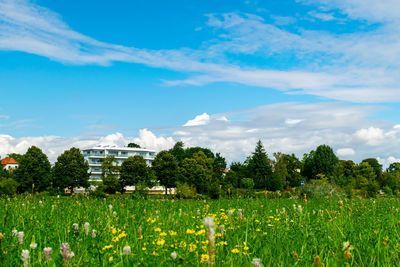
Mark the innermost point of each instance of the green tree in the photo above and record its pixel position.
(71, 170)
(109, 175)
(259, 168)
(197, 171)
(165, 168)
(134, 145)
(135, 170)
(376, 166)
(394, 167)
(178, 152)
(34, 171)
(320, 161)
(365, 179)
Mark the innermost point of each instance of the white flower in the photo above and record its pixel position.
(114, 213)
(33, 245)
(15, 232)
(20, 237)
(173, 255)
(256, 262)
(75, 226)
(25, 257)
(87, 225)
(40, 202)
(110, 207)
(300, 208)
(127, 250)
(94, 233)
(47, 253)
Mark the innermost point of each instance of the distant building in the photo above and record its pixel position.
(95, 156)
(9, 163)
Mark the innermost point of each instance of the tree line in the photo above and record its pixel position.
(197, 170)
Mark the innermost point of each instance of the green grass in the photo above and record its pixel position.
(271, 228)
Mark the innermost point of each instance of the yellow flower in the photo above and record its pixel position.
(201, 232)
(192, 247)
(107, 247)
(160, 242)
(235, 251)
(163, 234)
(115, 239)
(204, 258)
(113, 230)
(246, 248)
(189, 231)
(143, 248)
(218, 235)
(172, 233)
(110, 259)
(157, 229)
(121, 235)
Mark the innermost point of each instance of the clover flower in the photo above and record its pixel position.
(256, 262)
(173, 255)
(20, 237)
(87, 225)
(93, 233)
(75, 226)
(47, 253)
(208, 221)
(127, 250)
(25, 257)
(33, 245)
(66, 253)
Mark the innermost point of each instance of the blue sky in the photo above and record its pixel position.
(220, 74)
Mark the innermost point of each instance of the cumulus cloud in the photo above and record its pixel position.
(198, 120)
(371, 136)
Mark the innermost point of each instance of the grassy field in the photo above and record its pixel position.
(279, 232)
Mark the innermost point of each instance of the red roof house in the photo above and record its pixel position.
(9, 163)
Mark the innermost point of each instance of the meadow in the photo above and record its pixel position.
(121, 231)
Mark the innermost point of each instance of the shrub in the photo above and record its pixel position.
(8, 186)
(247, 183)
(321, 190)
(185, 191)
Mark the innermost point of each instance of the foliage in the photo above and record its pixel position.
(71, 170)
(178, 152)
(33, 172)
(315, 189)
(8, 186)
(247, 183)
(133, 145)
(186, 191)
(165, 168)
(134, 170)
(320, 161)
(259, 166)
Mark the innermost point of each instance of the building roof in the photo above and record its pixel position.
(103, 147)
(7, 161)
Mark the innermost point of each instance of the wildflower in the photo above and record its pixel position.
(160, 242)
(87, 225)
(317, 260)
(47, 253)
(1, 236)
(127, 250)
(300, 208)
(208, 221)
(240, 213)
(33, 245)
(230, 212)
(40, 202)
(93, 233)
(192, 247)
(256, 262)
(222, 230)
(189, 231)
(114, 213)
(75, 226)
(296, 255)
(110, 207)
(173, 255)
(66, 253)
(204, 258)
(198, 212)
(110, 259)
(20, 237)
(15, 232)
(347, 247)
(235, 251)
(25, 257)
(157, 229)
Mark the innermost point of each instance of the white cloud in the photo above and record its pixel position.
(357, 67)
(198, 120)
(293, 121)
(343, 127)
(345, 152)
(371, 136)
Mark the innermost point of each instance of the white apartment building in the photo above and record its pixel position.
(95, 156)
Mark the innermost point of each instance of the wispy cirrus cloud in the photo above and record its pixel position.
(359, 67)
